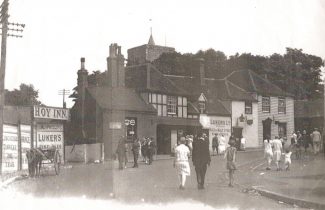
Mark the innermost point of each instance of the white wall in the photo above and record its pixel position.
(250, 132)
(288, 117)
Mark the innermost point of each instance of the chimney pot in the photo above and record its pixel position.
(82, 60)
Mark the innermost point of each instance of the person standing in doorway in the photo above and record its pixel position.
(182, 153)
(277, 152)
(201, 159)
(317, 140)
(136, 150)
(230, 156)
(215, 144)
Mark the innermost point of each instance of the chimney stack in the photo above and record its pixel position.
(115, 67)
(82, 85)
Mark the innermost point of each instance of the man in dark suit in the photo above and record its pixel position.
(201, 158)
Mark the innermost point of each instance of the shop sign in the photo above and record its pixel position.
(49, 135)
(220, 125)
(51, 113)
(25, 137)
(131, 128)
(115, 125)
(10, 148)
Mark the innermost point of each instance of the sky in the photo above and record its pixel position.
(58, 33)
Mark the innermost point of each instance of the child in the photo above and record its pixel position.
(230, 155)
(287, 159)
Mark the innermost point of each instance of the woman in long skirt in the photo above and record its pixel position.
(268, 153)
(181, 163)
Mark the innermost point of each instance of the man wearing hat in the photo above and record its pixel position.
(201, 158)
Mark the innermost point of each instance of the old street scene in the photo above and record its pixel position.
(167, 104)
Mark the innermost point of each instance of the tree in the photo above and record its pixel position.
(25, 96)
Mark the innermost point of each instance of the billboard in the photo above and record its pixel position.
(10, 148)
(49, 135)
(25, 136)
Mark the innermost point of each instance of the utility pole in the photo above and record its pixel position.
(64, 92)
(4, 34)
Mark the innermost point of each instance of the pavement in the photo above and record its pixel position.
(303, 185)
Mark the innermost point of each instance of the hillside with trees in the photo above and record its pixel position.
(26, 95)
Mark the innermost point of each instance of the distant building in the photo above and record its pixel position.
(309, 115)
(147, 53)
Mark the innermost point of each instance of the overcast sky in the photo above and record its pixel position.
(59, 32)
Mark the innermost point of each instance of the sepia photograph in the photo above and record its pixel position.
(178, 104)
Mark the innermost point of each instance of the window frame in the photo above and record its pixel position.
(282, 109)
(248, 107)
(266, 108)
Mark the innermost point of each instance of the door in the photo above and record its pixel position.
(237, 134)
(266, 128)
(173, 139)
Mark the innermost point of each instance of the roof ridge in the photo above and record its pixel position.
(181, 89)
(251, 78)
(237, 86)
(227, 87)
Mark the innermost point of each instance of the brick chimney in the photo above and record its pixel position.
(115, 67)
(82, 85)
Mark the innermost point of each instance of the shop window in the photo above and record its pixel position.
(266, 106)
(282, 105)
(131, 128)
(248, 107)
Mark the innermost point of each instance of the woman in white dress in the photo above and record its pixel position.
(268, 153)
(221, 144)
(181, 163)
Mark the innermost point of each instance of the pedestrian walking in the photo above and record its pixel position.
(287, 159)
(305, 140)
(221, 144)
(144, 150)
(182, 153)
(293, 140)
(299, 145)
(230, 156)
(277, 151)
(201, 159)
(136, 150)
(120, 152)
(151, 149)
(242, 143)
(317, 140)
(215, 144)
(268, 153)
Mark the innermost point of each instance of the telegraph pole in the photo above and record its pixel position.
(4, 34)
(64, 92)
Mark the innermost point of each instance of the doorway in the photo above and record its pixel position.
(266, 128)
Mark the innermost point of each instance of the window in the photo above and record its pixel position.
(266, 106)
(282, 106)
(282, 129)
(248, 107)
(171, 105)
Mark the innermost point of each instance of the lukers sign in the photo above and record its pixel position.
(51, 113)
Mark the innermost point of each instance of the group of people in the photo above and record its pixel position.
(201, 160)
(145, 148)
(219, 143)
(302, 141)
(275, 149)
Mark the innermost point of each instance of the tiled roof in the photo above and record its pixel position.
(136, 77)
(119, 99)
(309, 109)
(252, 82)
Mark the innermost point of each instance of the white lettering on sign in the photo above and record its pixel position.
(25, 144)
(10, 148)
(51, 113)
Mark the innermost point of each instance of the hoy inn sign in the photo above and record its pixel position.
(51, 113)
